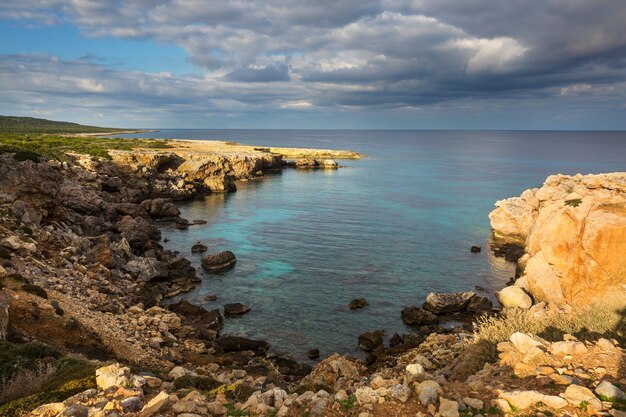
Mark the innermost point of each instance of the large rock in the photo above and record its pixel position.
(216, 262)
(114, 375)
(574, 231)
(336, 371)
(514, 297)
(239, 344)
(197, 316)
(160, 208)
(137, 231)
(442, 303)
(369, 341)
(414, 316)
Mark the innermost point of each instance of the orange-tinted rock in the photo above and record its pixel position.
(574, 229)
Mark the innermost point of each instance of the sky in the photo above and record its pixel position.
(362, 64)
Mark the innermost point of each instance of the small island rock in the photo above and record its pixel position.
(221, 261)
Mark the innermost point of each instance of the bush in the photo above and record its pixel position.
(73, 376)
(26, 382)
(35, 290)
(205, 383)
(607, 319)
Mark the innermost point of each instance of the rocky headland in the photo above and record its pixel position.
(83, 278)
(573, 232)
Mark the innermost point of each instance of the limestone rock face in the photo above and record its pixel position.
(574, 230)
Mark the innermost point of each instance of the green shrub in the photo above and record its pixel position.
(574, 202)
(73, 377)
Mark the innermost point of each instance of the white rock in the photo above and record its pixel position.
(473, 403)
(178, 372)
(154, 405)
(448, 408)
(576, 394)
(428, 392)
(112, 375)
(511, 297)
(610, 391)
(366, 395)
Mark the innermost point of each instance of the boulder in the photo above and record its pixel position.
(155, 404)
(448, 408)
(574, 233)
(476, 249)
(369, 341)
(313, 353)
(239, 344)
(114, 375)
(198, 248)
(610, 391)
(514, 297)
(479, 304)
(577, 394)
(137, 231)
(288, 366)
(414, 316)
(197, 316)
(216, 262)
(428, 392)
(160, 208)
(442, 303)
(235, 309)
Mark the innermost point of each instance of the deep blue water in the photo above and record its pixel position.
(391, 227)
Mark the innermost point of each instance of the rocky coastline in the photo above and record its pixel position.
(82, 272)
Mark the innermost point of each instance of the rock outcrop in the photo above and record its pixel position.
(574, 232)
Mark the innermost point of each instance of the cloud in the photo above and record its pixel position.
(329, 54)
(263, 74)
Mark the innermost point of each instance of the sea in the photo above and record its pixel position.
(390, 227)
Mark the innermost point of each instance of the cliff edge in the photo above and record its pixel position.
(573, 229)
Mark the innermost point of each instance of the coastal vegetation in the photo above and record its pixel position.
(30, 138)
(14, 124)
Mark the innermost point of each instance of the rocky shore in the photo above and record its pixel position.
(82, 273)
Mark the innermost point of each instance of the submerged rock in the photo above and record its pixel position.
(220, 261)
(313, 353)
(358, 303)
(476, 249)
(235, 309)
(198, 248)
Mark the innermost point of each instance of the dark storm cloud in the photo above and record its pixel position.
(270, 73)
(298, 54)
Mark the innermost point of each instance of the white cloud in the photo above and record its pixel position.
(491, 55)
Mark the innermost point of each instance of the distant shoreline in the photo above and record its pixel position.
(123, 132)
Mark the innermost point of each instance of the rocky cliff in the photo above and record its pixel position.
(574, 232)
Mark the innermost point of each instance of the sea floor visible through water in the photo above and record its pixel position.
(390, 228)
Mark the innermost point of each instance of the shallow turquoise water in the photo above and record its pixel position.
(391, 227)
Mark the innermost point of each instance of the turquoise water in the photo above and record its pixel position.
(391, 227)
